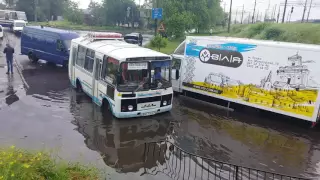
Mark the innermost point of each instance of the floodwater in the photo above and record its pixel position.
(49, 114)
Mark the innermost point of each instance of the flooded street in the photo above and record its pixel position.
(49, 114)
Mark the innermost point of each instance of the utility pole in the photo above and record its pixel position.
(249, 17)
(274, 11)
(267, 12)
(278, 16)
(156, 20)
(284, 10)
(291, 13)
(132, 17)
(254, 10)
(230, 13)
(304, 11)
(35, 2)
(309, 10)
(235, 19)
(242, 14)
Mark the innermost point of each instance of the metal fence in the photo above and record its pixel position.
(170, 160)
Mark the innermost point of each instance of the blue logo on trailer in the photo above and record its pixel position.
(156, 13)
(193, 49)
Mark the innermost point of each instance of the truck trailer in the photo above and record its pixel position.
(279, 77)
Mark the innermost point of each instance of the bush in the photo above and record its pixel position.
(273, 33)
(256, 29)
(19, 165)
(159, 42)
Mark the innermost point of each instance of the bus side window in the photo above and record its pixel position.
(109, 70)
(81, 56)
(89, 60)
(99, 66)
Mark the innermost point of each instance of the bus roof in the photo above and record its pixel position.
(119, 49)
(64, 34)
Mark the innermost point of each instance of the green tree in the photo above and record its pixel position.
(45, 9)
(180, 16)
(9, 3)
(73, 13)
(116, 11)
(159, 42)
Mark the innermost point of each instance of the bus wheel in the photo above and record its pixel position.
(78, 86)
(105, 107)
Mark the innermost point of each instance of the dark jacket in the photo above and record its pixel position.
(9, 51)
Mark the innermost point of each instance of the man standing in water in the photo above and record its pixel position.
(9, 51)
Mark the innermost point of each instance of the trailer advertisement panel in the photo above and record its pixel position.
(280, 79)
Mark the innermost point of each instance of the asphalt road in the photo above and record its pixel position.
(40, 110)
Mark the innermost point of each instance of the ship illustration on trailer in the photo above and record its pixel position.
(292, 90)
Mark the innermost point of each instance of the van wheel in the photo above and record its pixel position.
(32, 57)
(78, 86)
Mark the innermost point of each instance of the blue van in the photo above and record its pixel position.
(46, 43)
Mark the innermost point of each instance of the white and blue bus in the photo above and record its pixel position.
(126, 79)
(7, 17)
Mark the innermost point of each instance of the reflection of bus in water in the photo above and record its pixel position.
(120, 143)
(7, 17)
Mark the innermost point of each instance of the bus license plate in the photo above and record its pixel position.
(149, 113)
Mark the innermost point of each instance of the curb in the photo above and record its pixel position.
(19, 70)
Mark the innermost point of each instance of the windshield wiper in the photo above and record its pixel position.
(140, 86)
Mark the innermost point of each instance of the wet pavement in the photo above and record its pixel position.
(40, 110)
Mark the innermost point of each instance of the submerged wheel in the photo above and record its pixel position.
(78, 86)
(105, 107)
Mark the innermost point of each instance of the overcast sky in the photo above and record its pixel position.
(262, 6)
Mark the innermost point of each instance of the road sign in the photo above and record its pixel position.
(161, 27)
(156, 13)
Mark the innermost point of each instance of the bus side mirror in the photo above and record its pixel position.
(177, 74)
(118, 78)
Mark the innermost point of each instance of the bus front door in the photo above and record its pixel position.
(72, 62)
(96, 80)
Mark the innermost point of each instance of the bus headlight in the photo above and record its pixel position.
(164, 103)
(130, 107)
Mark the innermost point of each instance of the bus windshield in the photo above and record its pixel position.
(22, 16)
(143, 76)
(19, 24)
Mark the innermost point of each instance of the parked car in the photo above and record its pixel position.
(46, 43)
(18, 25)
(134, 38)
(1, 32)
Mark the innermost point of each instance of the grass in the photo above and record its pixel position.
(171, 46)
(72, 26)
(307, 33)
(16, 164)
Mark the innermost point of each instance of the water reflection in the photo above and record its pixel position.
(11, 96)
(121, 143)
(232, 138)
